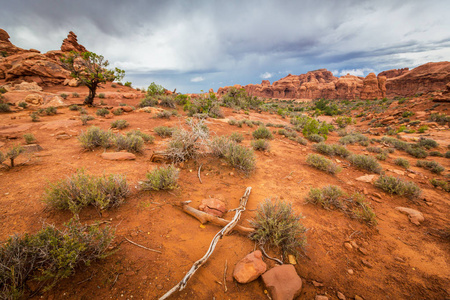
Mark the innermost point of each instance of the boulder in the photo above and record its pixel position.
(73, 82)
(213, 207)
(71, 44)
(249, 268)
(415, 216)
(118, 156)
(27, 86)
(53, 100)
(283, 282)
(34, 99)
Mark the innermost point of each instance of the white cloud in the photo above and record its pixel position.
(363, 72)
(197, 79)
(266, 75)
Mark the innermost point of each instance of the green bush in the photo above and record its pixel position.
(164, 178)
(315, 138)
(155, 89)
(145, 137)
(365, 162)
(63, 95)
(237, 137)
(82, 190)
(148, 102)
(363, 211)
(119, 124)
(374, 149)
(167, 101)
(49, 256)
(422, 129)
(417, 152)
(240, 157)
(127, 83)
(427, 143)
(381, 156)
(436, 153)
(4, 107)
(322, 163)
(407, 114)
(132, 143)
(344, 121)
(402, 162)
(117, 111)
(34, 117)
(101, 96)
(441, 119)
(433, 166)
(164, 114)
(277, 225)
(95, 137)
(353, 138)
(398, 186)
(102, 112)
(260, 145)
(327, 197)
(85, 118)
(447, 154)
(301, 141)
(29, 138)
(262, 133)
(12, 154)
(440, 183)
(331, 149)
(73, 107)
(164, 131)
(75, 95)
(23, 104)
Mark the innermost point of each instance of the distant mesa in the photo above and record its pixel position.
(17, 64)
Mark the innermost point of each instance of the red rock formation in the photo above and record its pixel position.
(430, 77)
(71, 44)
(6, 47)
(373, 87)
(394, 72)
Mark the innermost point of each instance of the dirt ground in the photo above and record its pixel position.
(405, 261)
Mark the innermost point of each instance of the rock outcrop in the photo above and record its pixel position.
(17, 64)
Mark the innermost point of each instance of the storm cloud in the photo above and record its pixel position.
(197, 45)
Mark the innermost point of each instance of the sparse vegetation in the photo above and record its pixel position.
(237, 137)
(164, 114)
(260, 145)
(148, 102)
(4, 107)
(353, 138)
(164, 131)
(145, 137)
(322, 163)
(394, 185)
(363, 211)
(343, 122)
(101, 96)
(81, 190)
(240, 157)
(316, 138)
(262, 133)
(433, 166)
(63, 95)
(102, 112)
(75, 95)
(163, 178)
(119, 124)
(332, 149)
(13, 153)
(440, 183)
(130, 143)
(85, 118)
(117, 111)
(327, 197)
(34, 117)
(29, 138)
(402, 162)
(427, 143)
(22, 104)
(365, 162)
(95, 137)
(301, 141)
(73, 107)
(277, 225)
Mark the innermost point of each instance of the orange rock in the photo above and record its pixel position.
(118, 156)
(283, 282)
(249, 268)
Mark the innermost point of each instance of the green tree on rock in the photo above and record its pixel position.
(91, 70)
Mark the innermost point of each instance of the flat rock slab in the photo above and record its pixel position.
(118, 156)
(13, 129)
(366, 178)
(59, 124)
(415, 216)
(32, 148)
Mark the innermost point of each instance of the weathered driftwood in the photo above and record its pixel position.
(205, 218)
(182, 284)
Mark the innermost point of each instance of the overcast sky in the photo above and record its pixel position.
(196, 45)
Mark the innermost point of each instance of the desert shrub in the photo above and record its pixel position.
(327, 197)
(49, 111)
(127, 83)
(95, 137)
(277, 225)
(2, 157)
(332, 149)
(219, 145)
(288, 133)
(13, 153)
(314, 127)
(101, 96)
(29, 138)
(119, 124)
(397, 144)
(232, 122)
(436, 153)
(164, 131)
(155, 89)
(34, 117)
(343, 122)
(407, 114)
(382, 156)
(145, 137)
(215, 112)
(73, 107)
(167, 101)
(240, 158)
(117, 111)
(260, 145)
(342, 132)
(131, 143)
(262, 133)
(394, 185)
(353, 138)
(365, 162)
(82, 111)
(447, 154)
(237, 137)
(238, 99)
(315, 138)
(439, 118)
(301, 141)
(164, 114)
(363, 211)
(85, 118)
(23, 104)
(63, 95)
(49, 255)
(102, 112)
(188, 144)
(75, 95)
(322, 163)
(402, 162)
(417, 152)
(433, 166)
(81, 190)
(374, 149)
(422, 129)
(440, 183)
(4, 107)
(148, 102)
(427, 143)
(163, 178)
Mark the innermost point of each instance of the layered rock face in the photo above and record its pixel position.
(17, 64)
(427, 78)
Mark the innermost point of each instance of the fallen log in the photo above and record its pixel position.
(182, 284)
(205, 218)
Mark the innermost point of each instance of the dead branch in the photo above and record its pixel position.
(224, 231)
(205, 218)
(199, 178)
(272, 258)
(136, 244)
(225, 277)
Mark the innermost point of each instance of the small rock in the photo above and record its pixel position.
(354, 244)
(292, 259)
(363, 251)
(365, 191)
(358, 297)
(415, 216)
(249, 268)
(340, 296)
(213, 207)
(321, 297)
(231, 174)
(399, 259)
(348, 246)
(366, 178)
(283, 282)
(118, 156)
(63, 137)
(377, 195)
(350, 271)
(367, 263)
(317, 284)
(126, 108)
(412, 175)
(159, 287)
(129, 273)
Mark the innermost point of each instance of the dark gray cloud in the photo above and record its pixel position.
(195, 45)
